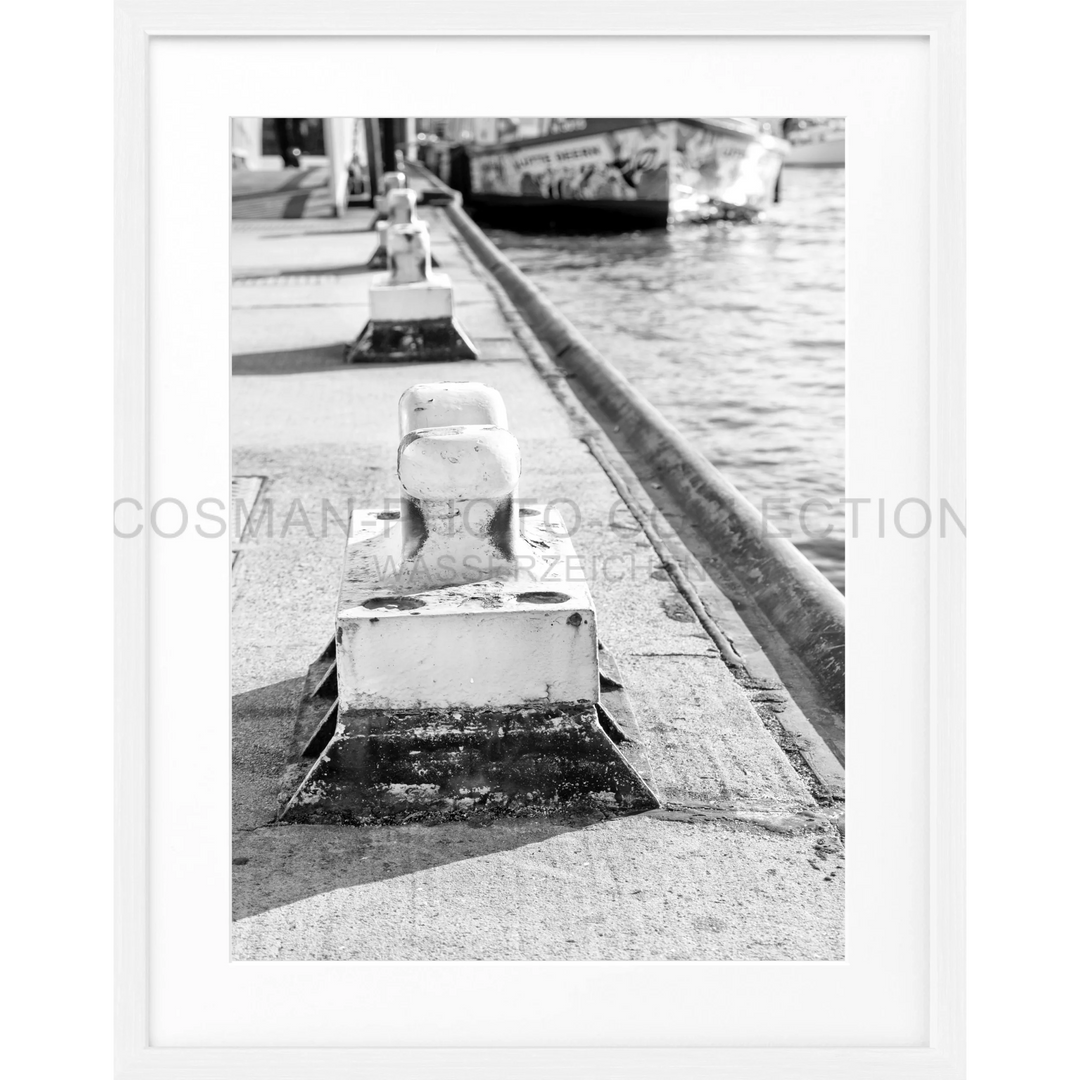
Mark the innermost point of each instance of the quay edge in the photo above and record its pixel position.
(801, 605)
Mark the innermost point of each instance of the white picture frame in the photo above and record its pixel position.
(138, 24)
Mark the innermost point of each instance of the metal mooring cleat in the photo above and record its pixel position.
(464, 672)
(412, 309)
(401, 210)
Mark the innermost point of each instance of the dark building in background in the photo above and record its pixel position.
(292, 137)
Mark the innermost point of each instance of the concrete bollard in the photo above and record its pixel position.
(389, 181)
(408, 253)
(400, 210)
(411, 308)
(466, 651)
(401, 206)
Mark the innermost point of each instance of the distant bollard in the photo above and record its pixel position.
(400, 206)
(408, 252)
(389, 181)
(400, 210)
(411, 308)
(465, 658)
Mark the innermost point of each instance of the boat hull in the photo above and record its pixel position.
(600, 215)
(628, 173)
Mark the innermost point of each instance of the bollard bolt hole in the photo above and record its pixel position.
(388, 515)
(527, 511)
(394, 603)
(542, 598)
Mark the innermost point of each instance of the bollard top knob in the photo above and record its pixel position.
(400, 206)
(450, 404)
(408, 252)
(391, 180)
(467, 463)
(459, 469)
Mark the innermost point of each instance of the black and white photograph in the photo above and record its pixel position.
(537, 438)
(499, 593)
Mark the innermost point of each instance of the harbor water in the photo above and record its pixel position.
(736, 333)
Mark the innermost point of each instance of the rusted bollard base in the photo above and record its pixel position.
(532, 717)
(421, 340)
(429, 765)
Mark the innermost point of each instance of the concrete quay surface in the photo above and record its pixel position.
(741, 863)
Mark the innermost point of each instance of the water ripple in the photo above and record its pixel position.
(736, 333)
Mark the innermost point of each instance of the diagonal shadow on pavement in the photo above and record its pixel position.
(283, 276)
(299, 361)
(280, 864)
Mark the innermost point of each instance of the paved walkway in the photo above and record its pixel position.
(741, 864)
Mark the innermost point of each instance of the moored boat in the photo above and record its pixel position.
(620, 172)
(815, 140)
